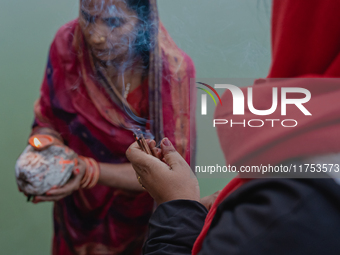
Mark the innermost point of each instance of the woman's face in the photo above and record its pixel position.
(109, 27)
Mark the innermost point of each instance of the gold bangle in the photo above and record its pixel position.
(92, 171)
(87, 176)
(95, 175)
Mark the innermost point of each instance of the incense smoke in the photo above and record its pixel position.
(127, 33)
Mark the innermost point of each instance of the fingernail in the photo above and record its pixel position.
(166, 142)
(77, 171)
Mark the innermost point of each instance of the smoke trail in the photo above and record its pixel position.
(125, 25)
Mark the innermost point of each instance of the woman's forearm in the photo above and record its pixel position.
(120, 176)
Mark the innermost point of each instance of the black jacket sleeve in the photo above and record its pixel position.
(268, 216)
(174, 227)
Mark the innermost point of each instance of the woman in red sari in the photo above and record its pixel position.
(112, 70)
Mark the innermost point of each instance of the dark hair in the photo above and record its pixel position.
(143, 41)
(138, 4)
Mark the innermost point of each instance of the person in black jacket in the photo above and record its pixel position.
(263, 216)
(268, 216)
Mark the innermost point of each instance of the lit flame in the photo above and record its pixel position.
(37, 143)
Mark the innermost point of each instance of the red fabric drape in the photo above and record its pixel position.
(305, 44)
(232, 185)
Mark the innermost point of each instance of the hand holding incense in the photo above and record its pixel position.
(142, 142)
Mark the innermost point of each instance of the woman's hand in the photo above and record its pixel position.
(73, 184)
(164, 182)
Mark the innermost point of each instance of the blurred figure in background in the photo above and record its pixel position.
(113, 70)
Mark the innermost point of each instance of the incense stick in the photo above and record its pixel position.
(142, 142)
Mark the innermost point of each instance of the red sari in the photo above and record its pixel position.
(105, 220)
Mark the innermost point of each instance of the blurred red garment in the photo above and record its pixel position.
(74, 102)
(305, 44)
